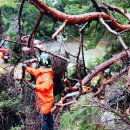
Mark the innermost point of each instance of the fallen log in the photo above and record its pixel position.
(103, 66)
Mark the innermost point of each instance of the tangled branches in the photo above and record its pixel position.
(16, 105)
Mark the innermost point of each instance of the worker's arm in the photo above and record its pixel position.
(32, 71)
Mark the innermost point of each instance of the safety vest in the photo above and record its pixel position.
(44, 88)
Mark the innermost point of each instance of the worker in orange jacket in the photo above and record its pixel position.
(43, 89)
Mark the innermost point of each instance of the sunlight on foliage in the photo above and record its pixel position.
(10, 3)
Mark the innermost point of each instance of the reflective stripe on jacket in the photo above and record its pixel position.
(44, 88)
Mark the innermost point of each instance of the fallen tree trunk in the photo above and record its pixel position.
(103, 66)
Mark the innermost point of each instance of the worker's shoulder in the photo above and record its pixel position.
(45, 70)
(48, 69)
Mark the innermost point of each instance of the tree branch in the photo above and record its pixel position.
(19, 17)
(109, 81)
(103, 66)
(115, 33)
(42, 50)
(119, 10)
(35, 29)
(78, 19)
(96, 5)
(59, 30)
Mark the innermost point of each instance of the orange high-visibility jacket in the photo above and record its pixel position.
(44, 88)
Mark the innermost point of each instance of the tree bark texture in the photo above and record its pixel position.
(78, 19)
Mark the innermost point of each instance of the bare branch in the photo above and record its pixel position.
(42, 50)
(119, 10)
(59, 30)
(115, 33)
(19, 17)
(35, 29)
(96, 5)
(106, 107)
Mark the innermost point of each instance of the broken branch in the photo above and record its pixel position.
(59, 30)
(115, 33)
(103, 66)
(108, 81)
(35, 29)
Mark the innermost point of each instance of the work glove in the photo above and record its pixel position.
(31, 86)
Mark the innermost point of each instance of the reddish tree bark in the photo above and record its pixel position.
(103, 66)
(108, 81)
(77, 19)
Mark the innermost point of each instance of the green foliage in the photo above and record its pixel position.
(9, 103)
(76, 9)
(8, 3)
(90, 45)
(123, 4)
(91, 63)
(116, 47)
(12, 34)
(80, 117)
(117, 66)
(108, 53)
(71, 71)
(120, 3)
(29, 17)
(15, 128)
(94, 35)
(121, 85)
(113, 48)
(46, 26)
(72, 32)
(126, 38)
(8, 9)
(98, 60)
